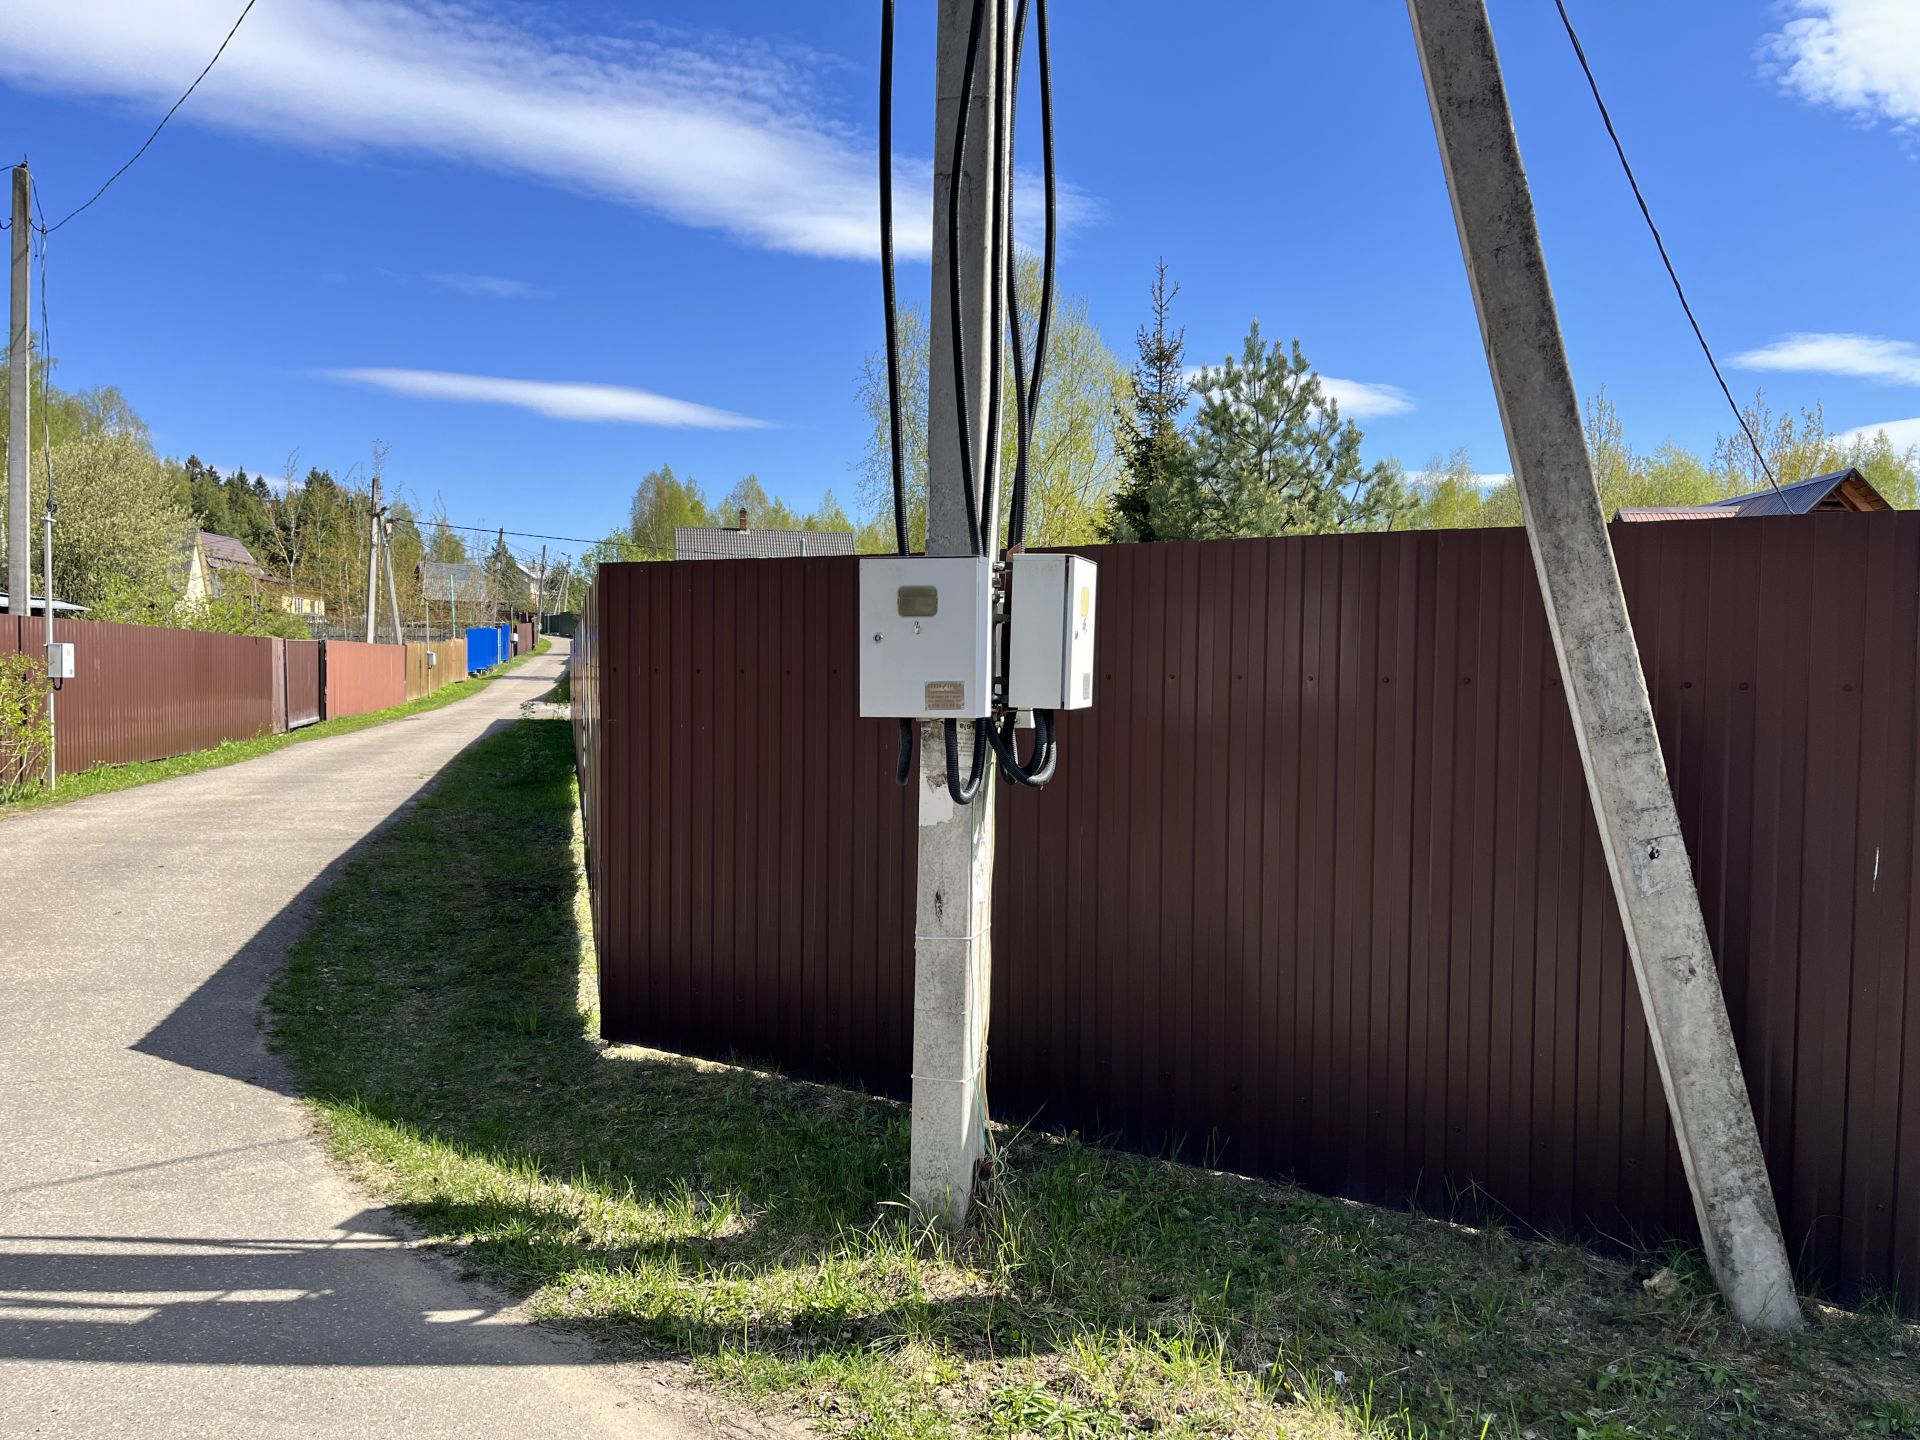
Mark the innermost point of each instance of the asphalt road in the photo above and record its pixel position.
(176, 1255)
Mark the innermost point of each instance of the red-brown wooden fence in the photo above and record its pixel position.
(1317, 889)
(142, 693)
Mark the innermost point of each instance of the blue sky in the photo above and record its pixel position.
(540, 249)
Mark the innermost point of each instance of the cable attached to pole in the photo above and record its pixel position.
(956, 329)
(903, 769)
(1030, 400)
(964, 794)
(1039, 770)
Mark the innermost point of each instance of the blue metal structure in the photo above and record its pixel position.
(483, 648)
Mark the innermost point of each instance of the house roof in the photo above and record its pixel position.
(467, 579)
(1840, 490)
(36, 604)
(223, 552)
(719, 542)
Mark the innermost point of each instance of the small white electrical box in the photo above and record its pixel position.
(924, 628)
(1050, 644)
(59, 660)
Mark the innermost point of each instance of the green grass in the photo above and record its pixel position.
(104, 779)
(440, 1015)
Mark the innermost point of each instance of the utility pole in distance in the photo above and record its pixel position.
(953, 907)
(540, 602)
(393, 595)
(20, 430)
(373, 557)
(1600, 665)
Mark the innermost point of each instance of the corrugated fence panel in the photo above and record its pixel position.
(357, 678)
(743, 827)
(1317, 890)
(143, 693)
(303, 682)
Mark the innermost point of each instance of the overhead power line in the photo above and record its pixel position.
(430, 523)
(46, 230)
(1580, 54)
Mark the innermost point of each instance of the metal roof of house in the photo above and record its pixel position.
(1840, 490)
(223, 552)
(37, 606)
(716, 542)
(468, 579)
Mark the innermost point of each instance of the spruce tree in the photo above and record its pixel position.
(1156, 498)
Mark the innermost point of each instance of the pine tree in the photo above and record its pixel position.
(1156, 498)
(1273, 457)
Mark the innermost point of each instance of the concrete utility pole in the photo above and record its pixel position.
(393, 595)
(1593, 637)
(540, 600)
(19, 431)
(46, 594)
(954, 899)
(373, 558)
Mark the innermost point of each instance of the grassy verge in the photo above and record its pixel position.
(104, 779)
(753, 1225)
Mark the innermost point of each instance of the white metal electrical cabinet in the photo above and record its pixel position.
(1050, 643)
(59, 660)
(925, 623)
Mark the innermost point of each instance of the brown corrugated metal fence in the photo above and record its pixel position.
(1317, 890)
(356, 677)
(303, 682)
(143, 693)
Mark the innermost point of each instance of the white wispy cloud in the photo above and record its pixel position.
(557, 400)
(1901, 434)
(711, 132)
(1859, 56)
(1364, 400)
(1357, 399)
(1868, 357)
(493, 287)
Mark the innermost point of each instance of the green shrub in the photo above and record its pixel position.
(25, 734)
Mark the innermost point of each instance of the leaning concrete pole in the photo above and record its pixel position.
(953, 904)
(19, 431)
(1613, 718)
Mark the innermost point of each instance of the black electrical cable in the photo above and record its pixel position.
(956, 330)
(886, 275)
(1017, 527)
(1022, 413)
(1039, 770)
(48, 230)
(997, 241)
(903, 770)
(976, 776)
(1580, 54)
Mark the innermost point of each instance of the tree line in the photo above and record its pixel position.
(127, 518)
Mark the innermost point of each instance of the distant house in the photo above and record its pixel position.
(718, 542)
(1846, 490)
(220, 565)
(461, 582)
(38, 606)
